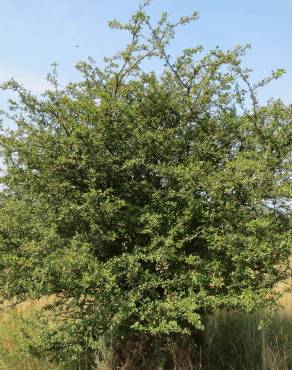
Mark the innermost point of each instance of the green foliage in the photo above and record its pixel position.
(142, 202)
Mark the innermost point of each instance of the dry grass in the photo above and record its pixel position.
(286, 301)
(13, 355)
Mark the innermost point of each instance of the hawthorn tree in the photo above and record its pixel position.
(142, 202)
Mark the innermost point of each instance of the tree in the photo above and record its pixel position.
(142, 202)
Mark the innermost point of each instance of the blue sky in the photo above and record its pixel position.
(35, 33)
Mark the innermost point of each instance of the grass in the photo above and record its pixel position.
(240, 341)
(233, 341)
(13, 354)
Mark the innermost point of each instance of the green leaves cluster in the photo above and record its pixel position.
(142, 202)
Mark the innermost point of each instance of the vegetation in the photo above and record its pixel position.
(13, 347)
(232, 340)
(143, 203)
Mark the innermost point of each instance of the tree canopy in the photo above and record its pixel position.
(142, 201)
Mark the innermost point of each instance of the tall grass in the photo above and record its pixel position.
(13, 353)
(243, 342)
(233, 341)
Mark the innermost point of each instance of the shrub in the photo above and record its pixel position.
(141, 201)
